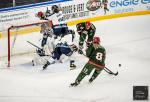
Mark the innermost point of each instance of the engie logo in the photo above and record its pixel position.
(93, 5)
(128, 2)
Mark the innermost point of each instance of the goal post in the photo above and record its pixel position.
(11, 32)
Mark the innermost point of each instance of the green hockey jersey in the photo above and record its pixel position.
(96, 55)
(83, 32)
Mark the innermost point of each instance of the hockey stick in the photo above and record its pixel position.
(36, 47)
(110, 72)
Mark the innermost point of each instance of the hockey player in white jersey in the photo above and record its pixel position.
(53, 14)
(60, 50)
(61, 53)
(53, 28)
(53, 32)
(49, 41)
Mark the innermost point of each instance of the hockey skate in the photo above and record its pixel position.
(91, 79)
(72, 67)
(33, 64)
(46, 65)
(75, 84)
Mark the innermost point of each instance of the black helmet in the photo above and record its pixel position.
(55, 9)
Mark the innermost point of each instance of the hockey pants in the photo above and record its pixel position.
(87, 69)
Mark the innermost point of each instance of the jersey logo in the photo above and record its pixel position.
(99, 56)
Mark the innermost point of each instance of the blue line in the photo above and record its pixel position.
(32, 5)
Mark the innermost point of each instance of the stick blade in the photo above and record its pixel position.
(116, 73)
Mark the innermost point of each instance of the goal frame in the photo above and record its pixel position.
(16, 27)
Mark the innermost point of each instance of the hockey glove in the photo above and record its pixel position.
(71, 32)
(88, 43)
(40, 52)
(80, 51)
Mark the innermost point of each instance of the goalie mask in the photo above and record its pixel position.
(74, 48)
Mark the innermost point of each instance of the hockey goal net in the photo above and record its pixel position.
(18, 37)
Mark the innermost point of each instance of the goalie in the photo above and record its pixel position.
(41, 55)
(60, 50)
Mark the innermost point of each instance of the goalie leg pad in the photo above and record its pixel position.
(38, 60)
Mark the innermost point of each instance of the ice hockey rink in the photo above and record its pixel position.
(127, 43)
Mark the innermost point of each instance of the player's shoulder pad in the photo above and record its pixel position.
(92, 26)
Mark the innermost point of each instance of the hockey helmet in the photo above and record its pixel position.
(74, 47)
(87, 24)
(55, 9)
(40, 14)
(96, 40)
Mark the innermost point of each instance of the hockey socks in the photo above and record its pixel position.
(95, 74)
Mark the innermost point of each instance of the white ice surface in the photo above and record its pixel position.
(127, 43)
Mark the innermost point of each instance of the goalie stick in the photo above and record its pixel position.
(36, 47)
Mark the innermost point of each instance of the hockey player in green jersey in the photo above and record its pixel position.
(85, 29)
(96, 54)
